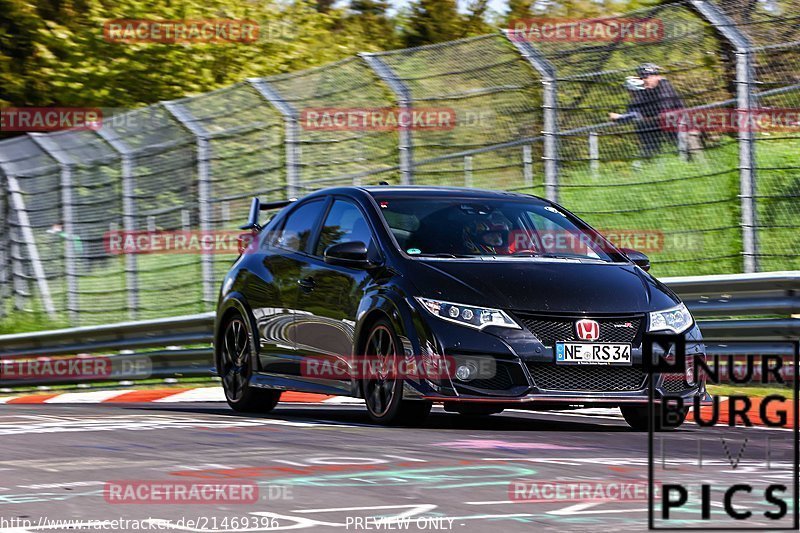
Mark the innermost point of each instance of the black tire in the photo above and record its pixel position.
(235, 366)
(383, 395)
(638, 418)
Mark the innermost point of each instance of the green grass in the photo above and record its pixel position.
(692, 206)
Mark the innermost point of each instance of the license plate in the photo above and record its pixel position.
(594, 353)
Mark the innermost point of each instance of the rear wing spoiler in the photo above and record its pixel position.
(256, 207)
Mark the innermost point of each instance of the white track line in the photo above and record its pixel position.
(344, 400)
(85, 397)
(202, 394)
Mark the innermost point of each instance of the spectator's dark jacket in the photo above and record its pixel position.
(648, 104)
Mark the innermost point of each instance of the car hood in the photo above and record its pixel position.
(543, 286)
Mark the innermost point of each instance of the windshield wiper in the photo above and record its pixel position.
(575, 257)
(445, 255)
(531, 253)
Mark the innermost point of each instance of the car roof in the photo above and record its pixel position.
(419, 191)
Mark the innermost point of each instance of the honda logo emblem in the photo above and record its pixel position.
(587, 330)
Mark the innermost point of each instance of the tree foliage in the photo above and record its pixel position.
(53, 52)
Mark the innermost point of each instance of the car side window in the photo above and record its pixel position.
(296, 230)
(345, 223)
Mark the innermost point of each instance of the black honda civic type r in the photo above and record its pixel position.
(408, 296)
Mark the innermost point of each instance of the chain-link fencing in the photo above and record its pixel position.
(772, 30)
(628, 175)
(562, 118)
(35, 246)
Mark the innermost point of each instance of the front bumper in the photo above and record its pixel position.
(569, 401)
(540, 398)
(527, 377)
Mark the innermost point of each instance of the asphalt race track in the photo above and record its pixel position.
(323, 468)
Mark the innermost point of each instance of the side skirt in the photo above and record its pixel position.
(293, 383)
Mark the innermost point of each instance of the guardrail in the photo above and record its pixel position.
(745, 296)
(181, 346)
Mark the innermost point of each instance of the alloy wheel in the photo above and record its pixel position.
(380, 389)
(235, 359)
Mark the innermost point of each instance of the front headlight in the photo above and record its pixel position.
(677, 320)
(467, 315)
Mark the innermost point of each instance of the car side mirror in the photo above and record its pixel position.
(637, 258)
(353, 254)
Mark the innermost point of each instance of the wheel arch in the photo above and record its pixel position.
(383, 306)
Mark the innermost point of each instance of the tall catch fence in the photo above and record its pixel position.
(772, 34)
(515, 112)
(630, 175)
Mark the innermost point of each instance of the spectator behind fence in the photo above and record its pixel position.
(651, 95)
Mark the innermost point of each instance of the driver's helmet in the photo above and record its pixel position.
(488, 234)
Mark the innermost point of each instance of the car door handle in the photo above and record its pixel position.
(307, 284)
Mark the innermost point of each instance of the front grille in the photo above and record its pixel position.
(594, 378)
(550, 330)
(674, 384)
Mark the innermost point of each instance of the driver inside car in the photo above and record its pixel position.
(489, 234)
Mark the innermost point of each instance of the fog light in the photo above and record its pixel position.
(690, 375)
(466, 372)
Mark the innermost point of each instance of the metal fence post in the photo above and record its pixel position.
(291, 132)
(403, 95)
(549, 108)
(67, 222)
(5, 245)
(225, 213)
(128, 214)
(527, 165)
(17, 203)
(745, 101)
(594, 153)
(184, 117)
(14, 276)
(468, 171)
(19, 280)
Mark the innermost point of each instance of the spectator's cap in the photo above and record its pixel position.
(634, 83)
(648, 69)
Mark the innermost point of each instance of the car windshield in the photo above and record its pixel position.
(469, 227)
